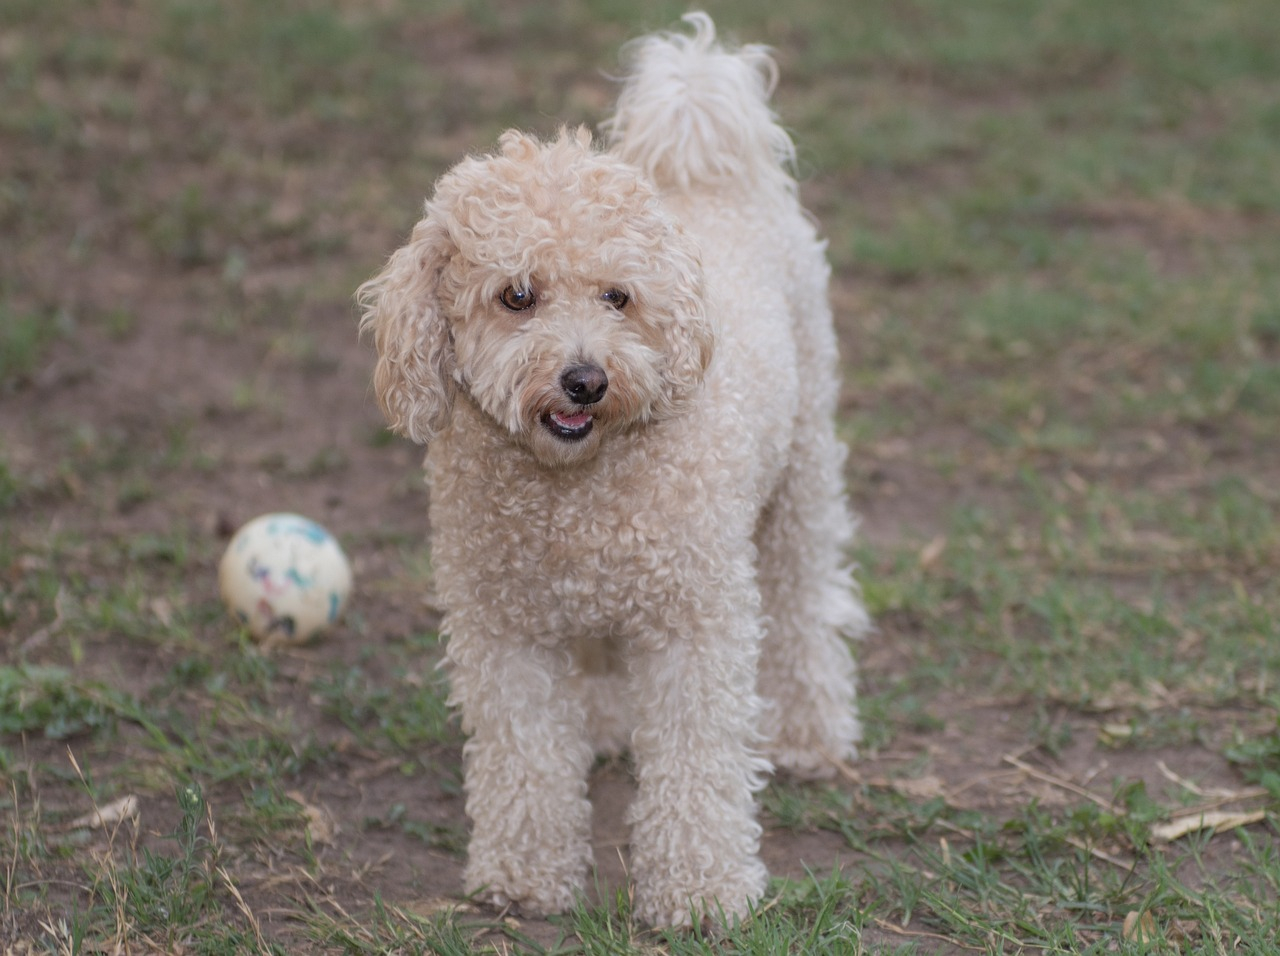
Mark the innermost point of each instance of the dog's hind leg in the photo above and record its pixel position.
(811, 608)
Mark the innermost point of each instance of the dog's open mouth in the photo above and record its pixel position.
(571, 427)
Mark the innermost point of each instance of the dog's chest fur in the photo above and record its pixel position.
(552, 552)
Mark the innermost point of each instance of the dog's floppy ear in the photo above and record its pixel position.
(413, 378)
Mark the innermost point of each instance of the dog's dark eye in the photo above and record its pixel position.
(616, 298)
(517, 300)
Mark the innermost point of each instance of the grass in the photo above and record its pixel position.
(1052, 226)
(24, 339)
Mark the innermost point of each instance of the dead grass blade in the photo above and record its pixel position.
(1216, 820)
(1059, 783)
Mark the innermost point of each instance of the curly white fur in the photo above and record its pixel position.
(624, 365)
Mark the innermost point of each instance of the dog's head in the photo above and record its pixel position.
(546, 283)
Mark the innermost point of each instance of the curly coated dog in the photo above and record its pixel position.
(623, 364)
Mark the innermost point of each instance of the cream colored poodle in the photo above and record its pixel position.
(623, 364)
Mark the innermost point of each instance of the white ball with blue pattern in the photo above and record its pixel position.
(285, 578)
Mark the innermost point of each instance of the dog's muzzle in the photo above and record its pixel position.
(583, 385)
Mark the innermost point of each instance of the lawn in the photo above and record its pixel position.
(1055, 230)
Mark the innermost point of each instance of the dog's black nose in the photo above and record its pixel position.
(584, 384)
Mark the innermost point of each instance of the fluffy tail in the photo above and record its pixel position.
(692, 113)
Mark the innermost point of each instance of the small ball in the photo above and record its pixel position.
(284, 577)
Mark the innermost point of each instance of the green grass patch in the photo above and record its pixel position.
(1091, 600)
(179, 898)
(25, 338)
(406, 712)
(49, 701)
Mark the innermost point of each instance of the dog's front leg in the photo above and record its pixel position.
(695, 839)
(525, 773)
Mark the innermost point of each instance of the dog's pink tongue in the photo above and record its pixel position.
(573, 421)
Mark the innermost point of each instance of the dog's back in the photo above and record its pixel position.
(694, 116)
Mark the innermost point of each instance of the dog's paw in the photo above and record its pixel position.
(812, 744)
(800, 763)
(536, 882)
(669, 904)
(532, 896)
